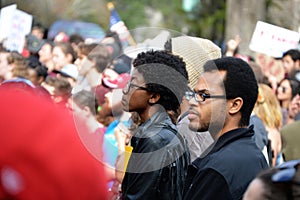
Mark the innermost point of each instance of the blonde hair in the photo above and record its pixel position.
(267, 107)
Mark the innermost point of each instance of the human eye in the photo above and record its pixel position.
(202, 95)
(205, 95)
(199, 96)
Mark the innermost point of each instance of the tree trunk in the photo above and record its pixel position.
(241, 18)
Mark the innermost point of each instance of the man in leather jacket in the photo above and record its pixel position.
(158, 163)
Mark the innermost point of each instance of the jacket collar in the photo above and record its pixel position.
(157, 121)
(151, 127)
(228, 137)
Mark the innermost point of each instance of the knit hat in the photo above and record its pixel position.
(195, 52)
(41, 154)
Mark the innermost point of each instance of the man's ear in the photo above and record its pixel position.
(235, 105)
(154, 97)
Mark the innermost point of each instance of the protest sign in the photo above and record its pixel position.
(17, 25)
(5, 17)
(273, 40)
(20, 26)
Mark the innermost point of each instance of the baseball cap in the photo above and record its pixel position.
(119, 82)
(69, 70)
(33, 43)
(122, 64)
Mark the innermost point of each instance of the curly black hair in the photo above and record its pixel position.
(239, 81)
(164, 73)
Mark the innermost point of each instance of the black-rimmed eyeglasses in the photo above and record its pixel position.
(200, 96)
(130, 85)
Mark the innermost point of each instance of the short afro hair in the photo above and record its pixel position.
(164, 73)
(239, 81)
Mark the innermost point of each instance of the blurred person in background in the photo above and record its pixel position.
(92, 60)
(45, 55)
(291, 63)
(16, 69)
(5, 71)
(290, 141)
(294, 109)
(261, 135)
(59, 89)
(113, 44)
(61, 37)
(33, 46)
(63, 54)
(85, 110)
(76, 39)
(267, 108)
(277, 183)
(37, 74)
(38, 31)
(287, 89)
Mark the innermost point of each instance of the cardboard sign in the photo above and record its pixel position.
(273, 40)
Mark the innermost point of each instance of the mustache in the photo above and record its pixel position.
(192, 110)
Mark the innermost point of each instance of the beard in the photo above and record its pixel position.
(198, 126)
(213, 127)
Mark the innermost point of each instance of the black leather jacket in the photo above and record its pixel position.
(158, 165)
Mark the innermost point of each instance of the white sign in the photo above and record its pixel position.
(18, 25)
(273, 40)
(5, 17)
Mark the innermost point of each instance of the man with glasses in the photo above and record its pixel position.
(159, 160)
(195, 52)
(221, 103)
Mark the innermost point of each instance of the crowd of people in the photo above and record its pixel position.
(83, 120)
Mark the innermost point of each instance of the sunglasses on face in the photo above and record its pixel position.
(283, 88)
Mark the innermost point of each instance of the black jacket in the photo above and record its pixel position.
(228, 168)
(158, 165)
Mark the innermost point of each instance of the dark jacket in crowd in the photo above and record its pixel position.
(158, 165)
(228, 168)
